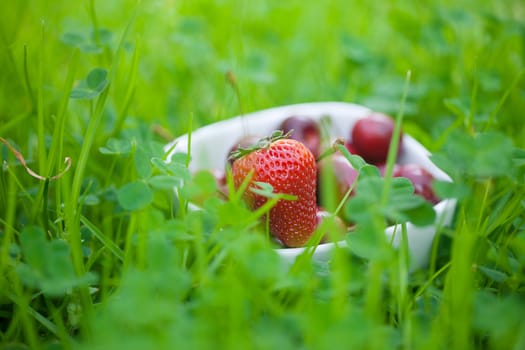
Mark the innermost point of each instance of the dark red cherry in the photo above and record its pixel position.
(305, 130)
(371, 137)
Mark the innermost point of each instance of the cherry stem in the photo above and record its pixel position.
(332, 149)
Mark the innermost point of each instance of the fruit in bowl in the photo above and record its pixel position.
(305, 130)
(212, 144)
(289, 167)
(371, 137)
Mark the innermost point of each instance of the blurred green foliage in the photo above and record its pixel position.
(107, 256)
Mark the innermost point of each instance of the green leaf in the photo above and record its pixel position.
(105, 36)
(355, 50)
(493, 274)
(506, 309)
(229, 214)
(175, 230)
(421, 215)
(134, 195)
(447, 189)
(97, 79)
(364, 243)
(263, 189)
(73, 39)
(369, 171)
(493, 155)
(519, 157)
(356, 161)
(179, 171)
(159, 164)
(365, 204)
(459, 108)
(179, 158)
(266, 190)
(176, 167)
(116, 147)
(142, 162)
(360, 208)
(402, 204)
(91, 200)
(91, 48)
(401, 186)
(89, 88)
(59, 268)
(47, 265)
(163, 182)
(145, 151)
(370, 187)
(485, 155)
(33, 243)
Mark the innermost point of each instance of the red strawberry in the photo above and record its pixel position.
(289, 167)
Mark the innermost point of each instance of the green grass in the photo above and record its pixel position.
(105, 256)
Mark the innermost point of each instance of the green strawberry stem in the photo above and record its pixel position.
(263, 143)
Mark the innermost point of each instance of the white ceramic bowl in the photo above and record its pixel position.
(210, 145)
